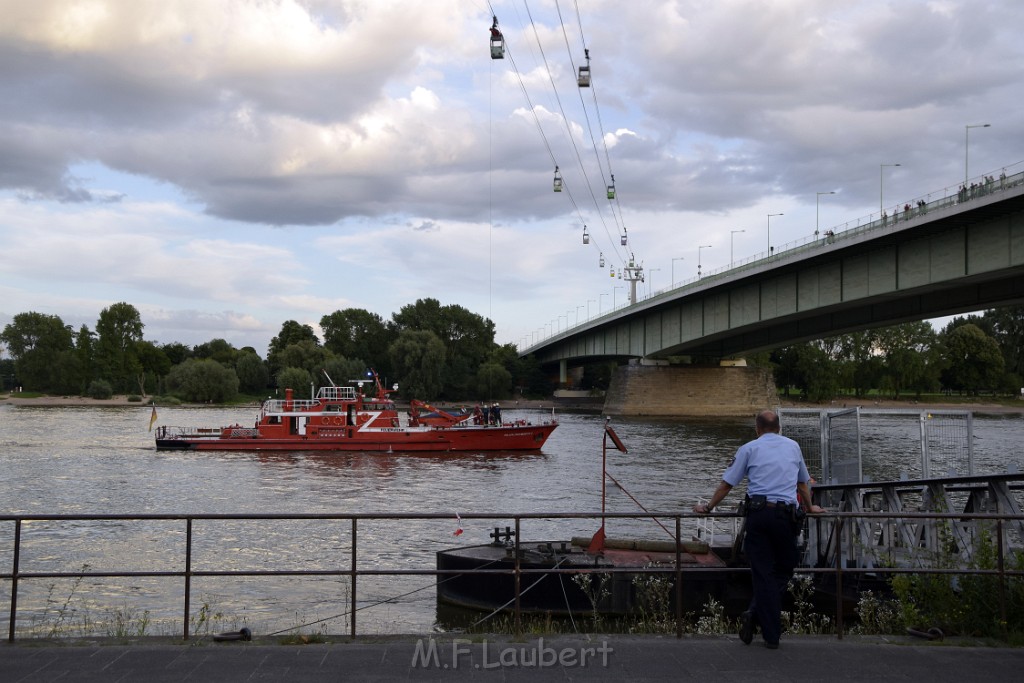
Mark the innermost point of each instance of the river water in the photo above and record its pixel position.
(74, 460)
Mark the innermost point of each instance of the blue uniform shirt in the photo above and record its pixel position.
(772, 465)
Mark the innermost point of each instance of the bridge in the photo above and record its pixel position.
(961, 252)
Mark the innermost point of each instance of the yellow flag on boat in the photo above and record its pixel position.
(152, 419)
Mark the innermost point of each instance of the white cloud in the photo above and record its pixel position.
(244, 150)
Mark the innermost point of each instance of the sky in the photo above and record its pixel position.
(228, 165)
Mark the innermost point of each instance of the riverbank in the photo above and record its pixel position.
(978, 406)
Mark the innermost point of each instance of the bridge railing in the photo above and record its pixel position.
(949, 196)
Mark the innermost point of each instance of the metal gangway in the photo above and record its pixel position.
(936, 474)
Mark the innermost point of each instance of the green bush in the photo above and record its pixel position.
(100, 389)
(134, 398)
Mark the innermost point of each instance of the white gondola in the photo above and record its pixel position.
(622, 240)
(584, 77)
(586, 236)
(558, 180)
(497, 41)
(601, 261)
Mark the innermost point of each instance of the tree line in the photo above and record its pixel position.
(432, 351)
(969, 356)
(436, 352)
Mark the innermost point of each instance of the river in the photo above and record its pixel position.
(84, 460)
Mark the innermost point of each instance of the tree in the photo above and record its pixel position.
(36, 342)
(493, 381)
(417, 356)
(253, 376)
(911, 358)
(291, 333)
(467, 338)
(153, 364)
(357, 334)
(176, 352)
(1008, 330)
(342, 370)
(218, 350)
(202, 381)
(85, 350)
(863, 367)
(297, 379)
(974, 360)
(119, 331)
(304, 354)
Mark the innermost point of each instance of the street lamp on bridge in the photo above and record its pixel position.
(674, 269)
(967, 130)
(817, 208)
(732, 241)
(770, 216)
(703, 246)
(599, 302)
(617, 287)
(881, 195)
(650, 280)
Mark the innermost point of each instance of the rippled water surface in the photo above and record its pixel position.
(102, 460)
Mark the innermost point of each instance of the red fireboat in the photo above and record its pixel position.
(341, 418)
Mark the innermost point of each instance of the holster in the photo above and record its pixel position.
(755, 503)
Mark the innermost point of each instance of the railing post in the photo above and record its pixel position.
(518, 579)
(188, 574)
(839, 578)
(352, 605)
(1002, 578)
(14, 579)
(679, 578)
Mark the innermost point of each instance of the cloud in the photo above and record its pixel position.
(202, 157)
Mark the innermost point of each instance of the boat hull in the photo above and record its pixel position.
(428, 440)
(564, 594)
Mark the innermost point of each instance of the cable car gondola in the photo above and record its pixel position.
(600, 263)
(584, 77)
(497, 41)
(558, 180)
(586, 236)
(611, 189)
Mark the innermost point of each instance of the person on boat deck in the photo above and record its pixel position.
(496, 413)
(776, 474)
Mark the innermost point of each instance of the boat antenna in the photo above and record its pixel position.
(323, 370)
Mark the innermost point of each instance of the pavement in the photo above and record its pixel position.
(711, 659)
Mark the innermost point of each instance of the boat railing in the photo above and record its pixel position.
(295, 405)
(353, 565)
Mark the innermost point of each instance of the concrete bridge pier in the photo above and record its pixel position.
(689, 391)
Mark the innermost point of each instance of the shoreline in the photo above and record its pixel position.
(839, 404)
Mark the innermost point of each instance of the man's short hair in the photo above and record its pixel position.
(767, 421)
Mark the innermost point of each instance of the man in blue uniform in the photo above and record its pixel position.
(776, 473)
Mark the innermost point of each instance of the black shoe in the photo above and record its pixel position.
(772, 646)
(747, 627)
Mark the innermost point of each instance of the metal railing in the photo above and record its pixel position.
(827, 532)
